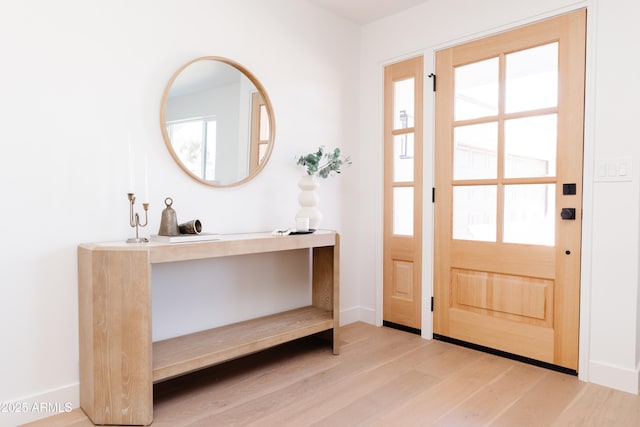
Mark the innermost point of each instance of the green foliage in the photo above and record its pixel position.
(324, 163)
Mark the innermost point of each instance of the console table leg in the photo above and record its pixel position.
(115, 337)
(326, 285)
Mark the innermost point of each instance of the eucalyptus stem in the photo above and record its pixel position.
(333, 161)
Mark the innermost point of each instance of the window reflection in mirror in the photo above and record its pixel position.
(217, 121)
(194, 141)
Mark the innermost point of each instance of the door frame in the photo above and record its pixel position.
(428, 176)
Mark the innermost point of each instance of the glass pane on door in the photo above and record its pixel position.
(403, 109)
(530, 146)
(474, 213)
(403, 211)
(532, 78)
(475, 153)
(529, 214)
(264, 123)
(403, 158)
(476, 89)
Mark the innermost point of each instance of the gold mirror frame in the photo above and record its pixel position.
(163, 126)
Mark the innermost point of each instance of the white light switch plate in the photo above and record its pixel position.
(614, 170)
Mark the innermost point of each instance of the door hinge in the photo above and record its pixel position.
(433, 194)
(432, 304)
(433, 76)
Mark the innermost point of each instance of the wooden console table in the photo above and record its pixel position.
(118, 360)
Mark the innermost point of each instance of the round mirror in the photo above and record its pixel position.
(217, 121)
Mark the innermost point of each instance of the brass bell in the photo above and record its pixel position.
(169, 221)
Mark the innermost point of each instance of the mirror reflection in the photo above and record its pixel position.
(217, 121)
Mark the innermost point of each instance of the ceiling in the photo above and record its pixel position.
(365, 11)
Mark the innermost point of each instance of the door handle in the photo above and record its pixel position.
(568, 213)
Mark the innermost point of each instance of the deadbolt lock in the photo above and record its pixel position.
(568, 213)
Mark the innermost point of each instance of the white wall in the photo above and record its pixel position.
(614, 319)
(609, 342)
(77, 77)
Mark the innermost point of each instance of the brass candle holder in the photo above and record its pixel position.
(134, 220)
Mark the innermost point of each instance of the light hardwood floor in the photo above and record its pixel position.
(383, 377)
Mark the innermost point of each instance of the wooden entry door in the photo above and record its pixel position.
(402, 265)
(508, 177)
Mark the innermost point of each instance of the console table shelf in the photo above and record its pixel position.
(118, 360)
(194, 351)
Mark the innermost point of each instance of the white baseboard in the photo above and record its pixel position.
(357, 314)
(42, 405)
(615, 377)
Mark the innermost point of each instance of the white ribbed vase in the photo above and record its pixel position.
(308, 200)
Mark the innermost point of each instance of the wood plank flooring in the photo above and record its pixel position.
(383, 377)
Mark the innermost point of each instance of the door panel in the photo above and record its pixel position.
(509, 133)
(402, 270)
(519, 298)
